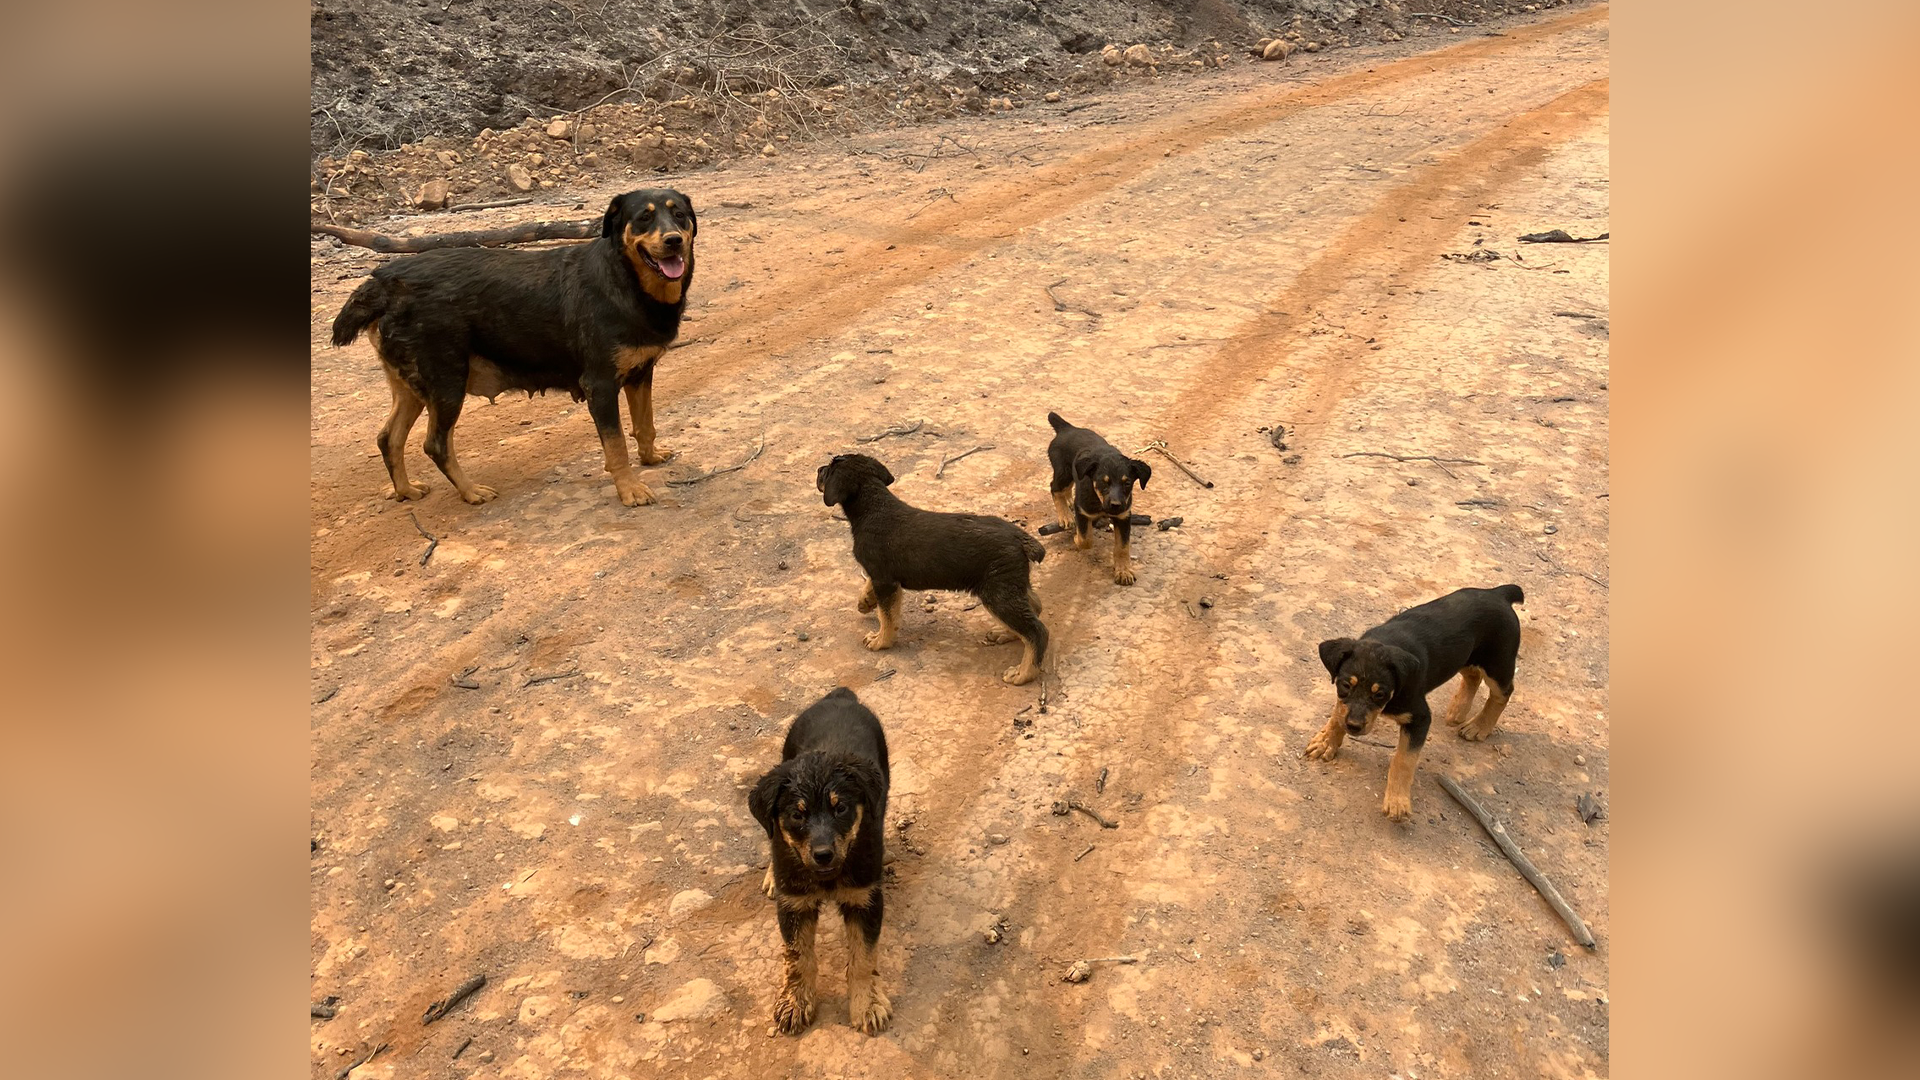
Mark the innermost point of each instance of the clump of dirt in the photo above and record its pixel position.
(427, 103)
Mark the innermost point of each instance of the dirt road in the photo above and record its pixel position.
(1327, 245)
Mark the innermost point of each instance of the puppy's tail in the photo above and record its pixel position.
(1058, 425)
(367, 304)
(1511, 594)
(1034, 549)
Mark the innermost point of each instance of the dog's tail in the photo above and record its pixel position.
(1511, 594)
(1058, 425)
(1034, 549)
(367, 304)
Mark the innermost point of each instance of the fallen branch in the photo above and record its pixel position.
(938, 194)
(432, 540)
(892, 431)
(1063, 807)
(722, 472)
(464, 680)
(371, 1054)
(535, 679)
(1084, 854)
(1082, 970)
(1434, 15)
(1561, 236)
(1061, 305)
(526, 233)
(1527, 870)
(1414, 457)
(1159, 446)
(494, 205)
(460, 993)
(946, 461)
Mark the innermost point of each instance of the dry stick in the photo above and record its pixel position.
(1063, 807)
(917, 425)
(494, 205)
(1111, 960)
(945, 461)
(722, 472)
(1434, 15)
(1159, 446)
(938, 194)
(1084, 854)
(1059, 305)
(464, 680)
(432, 540)
(516, 234)
(1413, 457)
(1527, 870)
(532, 680)
(371, 1054)
(461, 993)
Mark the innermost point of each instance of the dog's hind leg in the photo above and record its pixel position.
(443, 411)
(392, 439)
(866, 602)
(868, 1008)
(794, 1009)
(1010, 606)
(886, 600)
(640, 413)
(1063, 506)
(1497, 697)
(1462, 703)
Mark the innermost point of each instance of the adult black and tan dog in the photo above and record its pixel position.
(903, 547)
(591, 319)
(824, 808)
(1391, 668)
(1101, 480)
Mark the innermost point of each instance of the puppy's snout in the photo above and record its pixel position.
(823, 856)
(1118, 497)
(673, 241)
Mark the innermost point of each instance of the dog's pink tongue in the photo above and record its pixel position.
(673, 266)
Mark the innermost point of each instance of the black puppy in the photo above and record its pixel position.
(1101, 478)
(590, 319)
(824, 808)
(902, 547)
(1392, 668)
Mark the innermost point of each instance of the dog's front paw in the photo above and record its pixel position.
(1322, 748)
(1123, 576)
(766, 883)
(1474, 732)
(632, 492)
(793, 1012)
(872, 1019)
(1020, 675)
(411, 491)
(879, 640)
(1398, 805)
(1083, 541)
(479, 493)
(657, 455)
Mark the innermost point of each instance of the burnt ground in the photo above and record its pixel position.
(1326, 244)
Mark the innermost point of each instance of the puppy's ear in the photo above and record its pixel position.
(764, 801)
(886, 477)
(693, 219)
(866, 778)
(616, 214)
(1405, 667)
(1141, 471)
(1084, 464)
(1334, 653)
(836, 482)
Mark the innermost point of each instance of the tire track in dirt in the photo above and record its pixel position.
(1405, 231)
(815, 305)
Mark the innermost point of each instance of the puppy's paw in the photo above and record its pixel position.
(792, 1013)
(1322, 748)
(1123, 576)
(866, 603)
(479, 493)
(997, 637)
(632, 492)
(411, 491)
(878, 641)
(766, 883)
(1083, 541)
(1398, 806)
(1474, 732)
(1020, 675)
(1454, 720)
(658, 455)
(873, 1019)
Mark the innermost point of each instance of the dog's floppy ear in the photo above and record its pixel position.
(1141, 470)
(867, 780)
(886, 476)
(1335, 652)
(835, 485)
(693, 219)
(1084, 463)
(616, 214)
(764, 801)
(1404, 665)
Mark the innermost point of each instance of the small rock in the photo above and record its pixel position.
(800, 635)
(1551, 529)
(1259, 1055)
(520, 178)
(686, 901)
(448, 158)
(433, 195)
(1139, 56)
(697, 1000)
(1275, 50)
(768, 151)
(1579, 759)
(1412, 482)
(588, 131)
(996, 838)
(1206, 602)
(1111, 56)
(1290, 459)
(1053, 95)
(1081, 971)
(589, 161)
(559, 129)
(1311, 46)
(1169, 523)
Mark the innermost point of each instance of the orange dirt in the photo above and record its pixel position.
(1263, 246)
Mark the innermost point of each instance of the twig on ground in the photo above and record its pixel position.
(1062, 807)
(1434, 15)
(1159, 446)
(493, 205)
(1082, 970)
(460, 993)
(536, 679)
(516, 234)
(1514, 855)
(1084, 854)
(1061, 305)
(432, 540)
(892, 431)
(462, 1048)
(371, 1054)
(938, 194)
(464, 680)
(1100, 783)
(1561, 236)
(946, 461)
(762, 445)
(1438, 462)
(1578, 315)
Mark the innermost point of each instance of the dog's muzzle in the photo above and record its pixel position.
(1359, 726)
